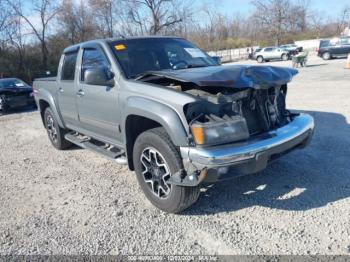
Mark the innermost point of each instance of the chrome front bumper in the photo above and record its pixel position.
(256, 152)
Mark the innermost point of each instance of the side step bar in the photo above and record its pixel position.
(113, 153)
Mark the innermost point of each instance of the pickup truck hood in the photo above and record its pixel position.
(233, 76)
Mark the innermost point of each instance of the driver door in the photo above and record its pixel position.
(97, 104)
(268, 53)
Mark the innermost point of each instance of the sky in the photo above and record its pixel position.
(330, 8)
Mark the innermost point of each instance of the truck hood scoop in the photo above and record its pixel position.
(233, 76)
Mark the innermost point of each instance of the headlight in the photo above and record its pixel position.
(220, 130)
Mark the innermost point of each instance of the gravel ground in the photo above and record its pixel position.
(75, 202)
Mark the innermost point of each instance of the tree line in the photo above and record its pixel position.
(34, 33)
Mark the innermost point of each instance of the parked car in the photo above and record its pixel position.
(252, 56)
(271, 53)
(334, 48)
(292, 48)
(15, 93)
(171, 113)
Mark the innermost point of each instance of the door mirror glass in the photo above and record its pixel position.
(99, 76)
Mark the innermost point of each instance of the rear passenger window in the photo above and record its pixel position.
(68, 70)
(324, 43)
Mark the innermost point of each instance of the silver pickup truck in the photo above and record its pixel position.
(171, 113)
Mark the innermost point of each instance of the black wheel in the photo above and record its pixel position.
(3, 104)
(326, 56)
(285, 57)
(260, 59)
(54, 131)
(156, 159)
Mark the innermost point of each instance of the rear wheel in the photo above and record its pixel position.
(54, 131)
(155, 159)
(326, 56)
(260, 59)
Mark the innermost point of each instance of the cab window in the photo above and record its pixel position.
(68, 70)
(93, 58)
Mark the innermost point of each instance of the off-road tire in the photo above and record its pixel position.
(60, 142)
(179, 197)
(260, 59)
(326, 56)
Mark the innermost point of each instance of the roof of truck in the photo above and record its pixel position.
(109, 40)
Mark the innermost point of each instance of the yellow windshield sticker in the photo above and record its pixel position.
(120, 47)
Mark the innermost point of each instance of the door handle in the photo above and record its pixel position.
(60, 90)
(80, 93)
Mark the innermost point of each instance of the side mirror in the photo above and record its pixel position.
(217, 59)
(99, 77)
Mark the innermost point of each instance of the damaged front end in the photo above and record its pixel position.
(236, 107)
(230, 116)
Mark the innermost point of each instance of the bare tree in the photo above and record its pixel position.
(343, 19)
(4, 21)
(3, 16)
(298, 16)
(272, 16)
(77, 21)
(105, 12)
(46, 11)
(154, 16)
(16, 40)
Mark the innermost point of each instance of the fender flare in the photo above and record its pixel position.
(157, 112)
(46, 96)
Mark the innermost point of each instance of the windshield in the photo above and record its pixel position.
(12, 82)
(138, 56)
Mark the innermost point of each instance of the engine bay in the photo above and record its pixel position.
(262, 109)
(245, 111)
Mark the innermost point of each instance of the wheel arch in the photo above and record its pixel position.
(142, 114)
(45, 100)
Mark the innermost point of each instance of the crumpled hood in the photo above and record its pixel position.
(234, 76)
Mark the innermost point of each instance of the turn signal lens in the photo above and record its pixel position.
(198, 134)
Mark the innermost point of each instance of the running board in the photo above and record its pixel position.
(106, 150)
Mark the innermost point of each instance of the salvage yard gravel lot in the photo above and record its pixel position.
(76, 202)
